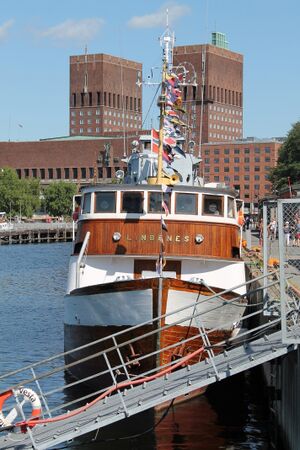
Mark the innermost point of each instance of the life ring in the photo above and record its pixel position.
(29, 396)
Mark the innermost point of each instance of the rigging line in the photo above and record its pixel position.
(158, 87)
(123, 111)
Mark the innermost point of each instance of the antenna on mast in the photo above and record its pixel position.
(167, 41)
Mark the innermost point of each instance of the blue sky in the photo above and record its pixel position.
(38, 36)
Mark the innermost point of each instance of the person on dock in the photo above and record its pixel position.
(287, 233)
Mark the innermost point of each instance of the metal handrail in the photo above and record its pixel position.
(80, 257)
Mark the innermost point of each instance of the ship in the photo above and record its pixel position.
(154, 242)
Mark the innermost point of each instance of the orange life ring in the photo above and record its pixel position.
(29, 396)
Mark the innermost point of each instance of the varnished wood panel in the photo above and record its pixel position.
(140, 237)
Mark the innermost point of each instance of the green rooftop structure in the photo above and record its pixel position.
(219, 40)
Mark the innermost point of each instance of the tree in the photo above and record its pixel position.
(58, 198)
(18, 196)
(288, 166)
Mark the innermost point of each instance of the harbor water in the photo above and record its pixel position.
(232, 415)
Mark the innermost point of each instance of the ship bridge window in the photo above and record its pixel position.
(105, 202)
(132, 202)
(230, 207)
(186, 204)
(159, 202)
(213, 205)
(86, 207)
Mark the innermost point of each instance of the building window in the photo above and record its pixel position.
(247, 169)
(267, 159)
(82, 98)
(206, 152)
(67, 173)
(267, 168)
(236, 178)
(83, 173)
(26, 173)
(74, 99)
(226, 169)
(246, 178)
(90, 99)
(34, 173)
(108, 172)
(216, 160)
(246, 187)
(98, 98)
(226, 160)
(246, 150)
(256, 150)
(42, 174)
(236, 151)
(206, 169)
(75, 173)
(226, 151)
(100, 172)
(216, 169)
(50, 174)
(267, 150)
(216, 178)
(236, 169)
(58, 173)
(216, 152)
(256, 169)
(247, 160)
(257, 159)
(91, 172)
(236, 160)
(206, 160)
(256, 177)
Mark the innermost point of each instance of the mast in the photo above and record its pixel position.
(167, 43)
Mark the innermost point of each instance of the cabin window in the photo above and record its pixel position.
(230, 207)
(186, 204)
(159, 202)
(132, 202)
(86, 207)
(105, 202)
(213, 205)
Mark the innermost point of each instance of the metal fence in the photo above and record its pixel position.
(280, 239)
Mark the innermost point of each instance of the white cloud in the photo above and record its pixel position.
(158, 18)
(5, 27)
(84, 30)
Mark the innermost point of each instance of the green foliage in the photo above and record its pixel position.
(18, 195)
(58, 198)
(288, 160)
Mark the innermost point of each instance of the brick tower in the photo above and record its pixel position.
(220, 71)
(104, 95)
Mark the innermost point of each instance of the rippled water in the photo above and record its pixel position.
(32, 284)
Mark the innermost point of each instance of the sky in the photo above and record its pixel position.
(37, 37)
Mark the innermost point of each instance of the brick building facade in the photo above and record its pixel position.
(104, 95)
(244, 165)
(222, 118)
(79, 159)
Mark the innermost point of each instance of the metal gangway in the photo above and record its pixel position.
(124, 388)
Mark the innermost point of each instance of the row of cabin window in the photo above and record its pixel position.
(133, 202)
